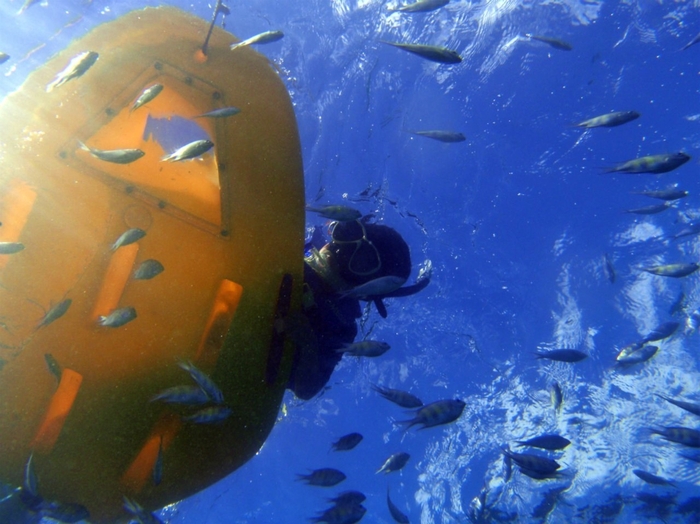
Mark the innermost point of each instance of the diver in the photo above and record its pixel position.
(358, 254)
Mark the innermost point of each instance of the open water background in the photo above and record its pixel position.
(515, 222)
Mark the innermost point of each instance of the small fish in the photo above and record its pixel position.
(115, 156)
(189, 151)
(186, 395)
(148, 94)
(203, 381)
(4, 57)
(637, 356)
(377, 287)
(655, 164)
(680, 435)
(210, 415)
(551, 442)
(436, 413)
(554, 42)
(673, 270)
(678, 305)
(262, 38)
(650, 210)
(533, 463)
(118, 317)
(398, 397)
(348, 497)
(609, 268)
(396, 513)
(76, 68)
(53, 365)
(692, 229)
(128, 237)
(338, 213)
(556, 396)
(661, 332)
(347, 442)
(562, 355)
(324, 477)
(142, 516)
(223, 112)
(421, 6)
(394, 463)
(341, 514)
(148, 269)
(30, 483)
(26, 5)
(55, 312)
(10, 248)
(668, 194)
(365, 348)
(628, 350)
(694, 41)
(429, 52)
(651, 478)
(688, 406)
(158, 465)
(442, 136)
(610, 120)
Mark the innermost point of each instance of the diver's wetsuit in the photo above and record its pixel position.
(330, 324)
(332, 320)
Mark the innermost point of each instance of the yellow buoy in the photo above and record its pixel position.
(84, 344)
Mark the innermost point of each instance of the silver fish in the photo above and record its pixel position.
(223, 112)
(115, 156)
(185, 395)
(148, 94)
(339, 213)
(673, 270)
(210, 415)
(436, 413)
(262, 38)
(118, 317)
(422, 6)
(651, 478)
(203, 381)
(609, 120)
(76, 68)
(128, 237)
(365, 348)
(670, 193)
(148, 269)
(429, 52)
(189, 151)
(53, 365)
(10, 248)
(556, 396)
(554, 42)
(694, 41)
(394, 462)
(398, 397)
(650, 210)
(442, 136)
(30, 483)
(377, 287)
(55, 312)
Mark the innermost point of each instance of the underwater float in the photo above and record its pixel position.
(125, 278)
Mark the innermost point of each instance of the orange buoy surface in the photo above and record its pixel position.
(119, 273)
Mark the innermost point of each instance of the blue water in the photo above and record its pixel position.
(515, 222)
